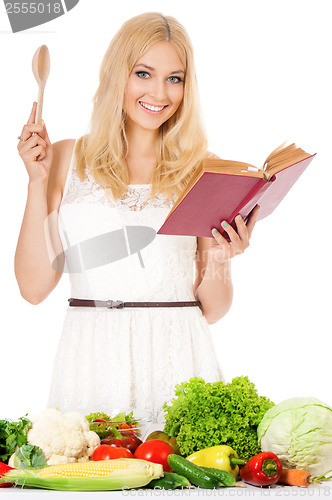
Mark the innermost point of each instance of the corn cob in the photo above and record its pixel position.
(100, 475)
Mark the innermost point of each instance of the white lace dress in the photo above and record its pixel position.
(111, 358)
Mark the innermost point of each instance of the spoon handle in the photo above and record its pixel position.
(40, 104)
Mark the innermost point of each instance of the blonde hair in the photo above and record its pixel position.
(182, 142)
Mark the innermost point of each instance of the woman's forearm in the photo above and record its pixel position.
(215, 291)
(33, 268)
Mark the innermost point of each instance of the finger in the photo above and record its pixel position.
(30, 142)
(227, 250)
(34, 128)
(32, 116)
(221, 240)
(29, 129)
(45, 135)
(26, 133)
(34, 140)
(35, 152)
(252, 219)
(218, 237)
(234, 237)
(241, 228)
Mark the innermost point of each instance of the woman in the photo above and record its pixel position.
(113, 189)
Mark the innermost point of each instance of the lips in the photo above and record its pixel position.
(151, 108)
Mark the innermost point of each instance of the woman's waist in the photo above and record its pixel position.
(133, 296)
(131, 287)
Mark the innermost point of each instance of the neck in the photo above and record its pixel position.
(142, 154)
(142, 142)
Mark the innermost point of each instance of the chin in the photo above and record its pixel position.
(151, 126)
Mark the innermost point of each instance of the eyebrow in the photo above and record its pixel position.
(152, 69)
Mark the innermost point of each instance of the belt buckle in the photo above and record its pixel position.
(114, 304)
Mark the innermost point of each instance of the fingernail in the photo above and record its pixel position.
(214, 231)
(240, 218)
(224, 223)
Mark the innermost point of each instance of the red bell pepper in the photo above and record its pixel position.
(4, 468)
(263, 469)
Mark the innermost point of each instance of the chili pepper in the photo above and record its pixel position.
(220, 457)
(263, 469)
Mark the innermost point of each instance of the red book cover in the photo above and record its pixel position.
(218, 196)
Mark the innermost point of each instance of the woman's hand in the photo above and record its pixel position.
(35, 149)
(222, 250)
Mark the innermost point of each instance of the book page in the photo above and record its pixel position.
(283, 157)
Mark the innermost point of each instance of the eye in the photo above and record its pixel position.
(175, 79)
(142, 74)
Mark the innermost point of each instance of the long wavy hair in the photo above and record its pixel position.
(182, 138)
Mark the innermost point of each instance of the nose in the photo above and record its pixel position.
(158, 90)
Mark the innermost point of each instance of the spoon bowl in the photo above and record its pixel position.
(41, 70)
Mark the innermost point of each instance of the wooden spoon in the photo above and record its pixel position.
(41, 70)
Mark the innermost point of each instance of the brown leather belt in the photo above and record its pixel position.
(119, 304)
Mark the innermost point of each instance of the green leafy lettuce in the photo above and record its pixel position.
(208, 414)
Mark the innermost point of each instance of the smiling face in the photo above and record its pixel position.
(155, 87)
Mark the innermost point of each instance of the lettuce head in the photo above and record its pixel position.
(299, 432)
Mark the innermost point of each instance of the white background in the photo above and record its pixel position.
(264, 71)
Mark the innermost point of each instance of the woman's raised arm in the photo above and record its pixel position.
(47, 167)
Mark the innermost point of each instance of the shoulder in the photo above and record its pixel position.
(62, 154)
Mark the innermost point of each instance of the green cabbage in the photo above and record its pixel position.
(299, 432)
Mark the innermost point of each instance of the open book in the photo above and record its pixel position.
(221, 189)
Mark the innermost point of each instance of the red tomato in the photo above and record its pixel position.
(4, 468)
(130, 443)
(107, 452)
(124, 426)
(112, 442)
(134, 436)
(155, 451)
(99, 421)
(127, 429)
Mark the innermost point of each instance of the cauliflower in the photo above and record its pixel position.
(63, 437)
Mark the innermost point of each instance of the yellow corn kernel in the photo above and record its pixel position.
(90, 469)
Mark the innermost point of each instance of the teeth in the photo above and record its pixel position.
(152, 108)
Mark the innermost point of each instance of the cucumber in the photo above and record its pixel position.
(193, 472)
(170, 481)
(224, 477)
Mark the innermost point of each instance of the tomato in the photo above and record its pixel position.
(134, 436)
(107, 452)
(127, 429)
(4, 468)
(125, 426)
(130, 443)
(155, 451)
(112, 442)
(99, 421)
